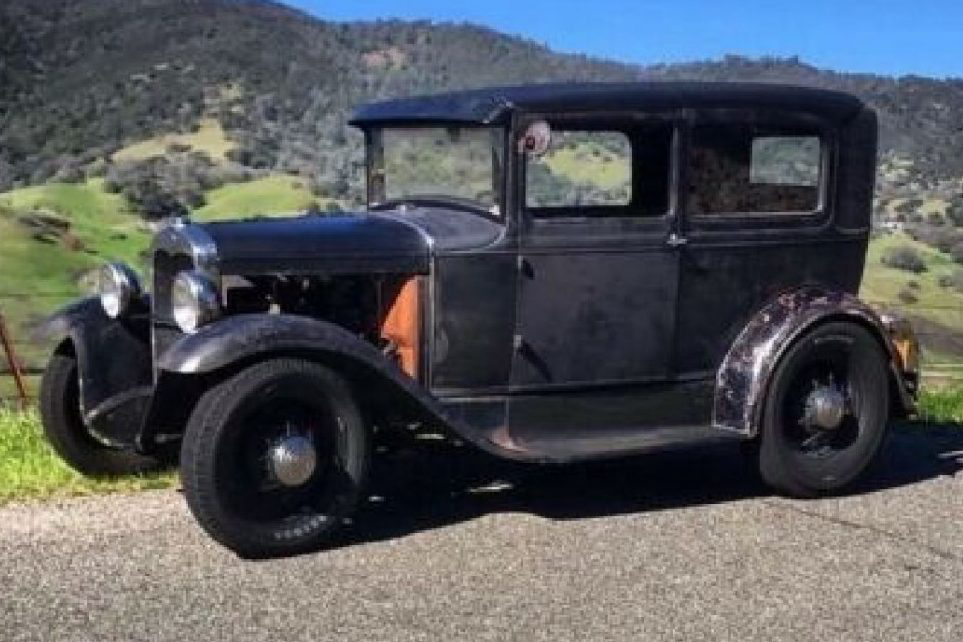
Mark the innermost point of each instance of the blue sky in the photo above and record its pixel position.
(883, 36)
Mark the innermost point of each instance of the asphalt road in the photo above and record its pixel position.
(456, 547)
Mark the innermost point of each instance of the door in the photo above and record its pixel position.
(758, 220)
(597, 270)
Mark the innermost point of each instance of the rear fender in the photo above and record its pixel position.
(743, 378)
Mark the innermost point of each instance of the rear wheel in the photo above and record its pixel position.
(274, 459)
(826, 411)
(66, 432)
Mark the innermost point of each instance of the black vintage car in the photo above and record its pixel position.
(551, 273)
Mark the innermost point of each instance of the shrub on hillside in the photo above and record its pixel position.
(155, 182)
(907, 296)
(906, 258)
(154, 188)
(956, 280)
(957, 252)
(942, 237)
(909, 206)
(955, 214)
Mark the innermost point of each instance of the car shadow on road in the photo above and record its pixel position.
(424, 488)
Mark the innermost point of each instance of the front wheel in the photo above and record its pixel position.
(66, 432)
(826, 411)
(274, 459)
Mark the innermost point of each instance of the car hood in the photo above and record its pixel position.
(387, 242)
(337, 244)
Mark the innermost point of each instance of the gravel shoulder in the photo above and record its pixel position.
(455, 546)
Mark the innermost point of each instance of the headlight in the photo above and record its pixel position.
(117, 286)
(194, 300)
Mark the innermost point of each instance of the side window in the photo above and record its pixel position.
(735, 170)
(581, 169)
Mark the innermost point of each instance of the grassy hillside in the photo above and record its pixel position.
(270, 195)
(210, 138)
(52, 236)
(935, 309)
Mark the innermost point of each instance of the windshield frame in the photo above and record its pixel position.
(375, 172)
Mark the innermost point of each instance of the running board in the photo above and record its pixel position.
(599, 443)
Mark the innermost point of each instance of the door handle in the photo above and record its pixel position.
(675, 240)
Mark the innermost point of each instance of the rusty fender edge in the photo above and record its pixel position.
(234, 342)
(743, 378)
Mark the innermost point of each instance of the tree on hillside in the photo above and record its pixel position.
(955, 212)
(902, 257)
(957, 252)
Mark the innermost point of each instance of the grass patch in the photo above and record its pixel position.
(29, 469)
(590, 163)
(942, 406)
(209, 138)
(271, 195)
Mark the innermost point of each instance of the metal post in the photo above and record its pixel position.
(13, 362)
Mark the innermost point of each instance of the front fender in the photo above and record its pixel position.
(742, 380)
(113, 357)
(249, 337)
(227, 345)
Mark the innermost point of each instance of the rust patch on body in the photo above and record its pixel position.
(401, 324)
(742, 379)
(502, 438)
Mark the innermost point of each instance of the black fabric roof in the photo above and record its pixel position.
(495, 104)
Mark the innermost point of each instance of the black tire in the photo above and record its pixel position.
(224, 467)
(804, 460)
(68, 435)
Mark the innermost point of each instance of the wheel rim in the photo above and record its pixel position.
(279, 462)
(821, 411)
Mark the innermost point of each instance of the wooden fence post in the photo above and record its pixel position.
(7, 342)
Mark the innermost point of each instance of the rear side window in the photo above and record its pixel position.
(734, 170)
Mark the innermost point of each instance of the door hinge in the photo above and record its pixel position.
(676, 240)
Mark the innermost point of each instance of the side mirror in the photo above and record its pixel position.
(536, 139)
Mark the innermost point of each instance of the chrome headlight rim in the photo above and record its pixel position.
(194, 301)
(117, 288)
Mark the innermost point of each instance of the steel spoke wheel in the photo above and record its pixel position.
(274, 459)
(826, 411)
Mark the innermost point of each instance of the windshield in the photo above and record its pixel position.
(460, 164)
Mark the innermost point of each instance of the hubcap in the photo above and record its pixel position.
(293, 460)
(825, 407)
